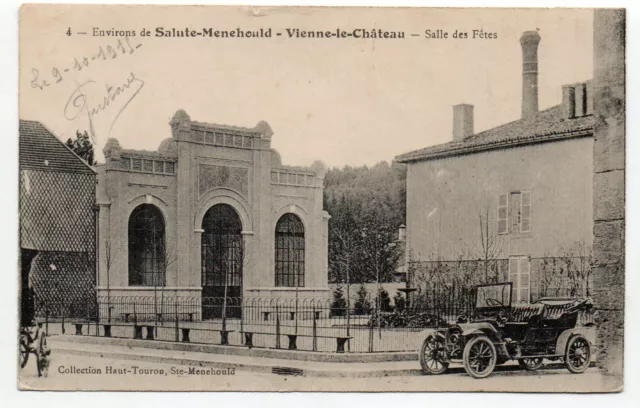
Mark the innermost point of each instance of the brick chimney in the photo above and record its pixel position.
(569, 101)
(577, 99)
(462, 122)
(529, 42)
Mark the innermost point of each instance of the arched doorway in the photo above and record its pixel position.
(222, 259)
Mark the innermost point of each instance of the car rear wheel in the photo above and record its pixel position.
(433, 355)
(530, 364)
(479, 357)
(578, 354)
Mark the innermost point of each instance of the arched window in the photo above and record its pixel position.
(222, 252)
(146, 247)
(289, 251)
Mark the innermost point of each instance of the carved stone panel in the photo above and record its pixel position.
(213, 176)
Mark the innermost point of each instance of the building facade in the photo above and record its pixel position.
(211, 213)
(517, 197)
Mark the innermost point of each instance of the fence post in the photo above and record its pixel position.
(348, 325)
(88, 320)
(135, 313)
(46, 322)
(315, 334)
(135, 322)
(63, 331)
(277, 328)
(371, 336)
(242, 312)
(177, 318)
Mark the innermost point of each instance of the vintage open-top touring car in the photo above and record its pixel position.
(551, 328)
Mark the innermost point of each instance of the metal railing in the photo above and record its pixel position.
(295, 324)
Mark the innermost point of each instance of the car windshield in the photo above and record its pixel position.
(489, 296)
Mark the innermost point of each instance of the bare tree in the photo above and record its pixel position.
(578, 264)
(170, 258)
(238, 257)
(109, 257)
(490, 247)
(348, 243)
(567, 274)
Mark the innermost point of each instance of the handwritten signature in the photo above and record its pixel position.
(82, 100)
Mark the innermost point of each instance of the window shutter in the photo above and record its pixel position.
(525, 280)
(502, 214)
(513, 278)
(525, 225)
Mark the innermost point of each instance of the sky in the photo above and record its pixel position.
(343, 101)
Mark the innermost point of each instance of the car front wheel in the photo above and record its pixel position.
(433, 355)
(479, 357)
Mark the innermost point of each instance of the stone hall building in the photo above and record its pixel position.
(212, 210)
(525, 186)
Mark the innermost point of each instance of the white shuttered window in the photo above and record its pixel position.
(525, 212)
(514, 212)
(520, 276)
(502, 214)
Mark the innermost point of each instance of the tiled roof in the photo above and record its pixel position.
(41, 150)
(548, 125)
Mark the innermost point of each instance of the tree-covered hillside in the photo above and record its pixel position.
(367, 206)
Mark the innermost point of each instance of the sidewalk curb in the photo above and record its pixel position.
(304, 369)
(244, 351)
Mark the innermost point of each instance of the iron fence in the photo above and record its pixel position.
(295, 324)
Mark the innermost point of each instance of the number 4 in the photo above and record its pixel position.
(69, 31)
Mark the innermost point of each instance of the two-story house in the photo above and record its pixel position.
(524, 187)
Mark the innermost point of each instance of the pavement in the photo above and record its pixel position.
(76, 365)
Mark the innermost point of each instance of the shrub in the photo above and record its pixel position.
(399, 302)
(411, 320)
(339, 303)
(361, 306)
(383, 301)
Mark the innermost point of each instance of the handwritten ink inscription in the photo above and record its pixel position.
(104, 53)
(101, 102)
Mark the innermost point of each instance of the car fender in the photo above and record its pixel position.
(479, 328)
(588, 332)
(435, 332)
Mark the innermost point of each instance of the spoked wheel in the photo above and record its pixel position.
(433, 355)
(43, 356)
(479, 357)
(24, 353)
(578, 354)
(531, 364)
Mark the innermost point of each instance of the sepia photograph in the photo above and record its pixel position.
(344, 199)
